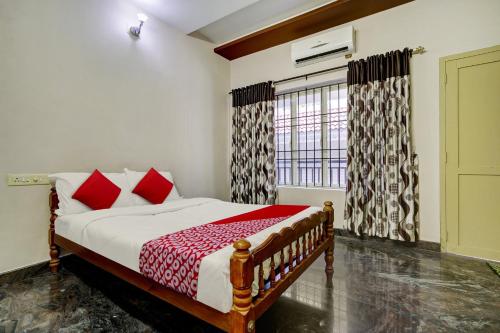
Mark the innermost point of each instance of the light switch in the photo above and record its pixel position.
(23, 179)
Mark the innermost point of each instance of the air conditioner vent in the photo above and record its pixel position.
(328, 45)
(323, 54)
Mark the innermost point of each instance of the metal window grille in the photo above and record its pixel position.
(311, 136)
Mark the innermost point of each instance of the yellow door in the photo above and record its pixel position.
(472, 153)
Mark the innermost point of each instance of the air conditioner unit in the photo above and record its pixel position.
(325, 46)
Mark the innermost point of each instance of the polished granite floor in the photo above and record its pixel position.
(377, 287)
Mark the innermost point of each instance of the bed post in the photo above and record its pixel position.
(242, 271)
(329, 233)
(54, 249)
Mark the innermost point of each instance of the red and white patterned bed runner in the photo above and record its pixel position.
(174, 260)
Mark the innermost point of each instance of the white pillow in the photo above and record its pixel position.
(134, 177)
(67, 183)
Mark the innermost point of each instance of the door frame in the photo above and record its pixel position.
(442, 134)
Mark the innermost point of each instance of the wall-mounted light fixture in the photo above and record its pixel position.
(136, 31)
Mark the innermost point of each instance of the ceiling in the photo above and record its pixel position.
(220, 21)
(190, 15)
(259, 15)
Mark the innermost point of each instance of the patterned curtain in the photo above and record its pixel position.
(253, 178)
(382, 168)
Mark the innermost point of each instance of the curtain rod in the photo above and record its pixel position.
(417, 50)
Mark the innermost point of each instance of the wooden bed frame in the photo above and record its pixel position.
(311, 237)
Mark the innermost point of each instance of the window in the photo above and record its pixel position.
(311, 136)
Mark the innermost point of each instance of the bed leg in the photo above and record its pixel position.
(328, 208)
(53, 248)
(242, 270)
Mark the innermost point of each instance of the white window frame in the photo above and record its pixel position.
(294, 95)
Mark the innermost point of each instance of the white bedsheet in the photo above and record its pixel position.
(119, 233)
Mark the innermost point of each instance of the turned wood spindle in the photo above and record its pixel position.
(297, 251)
(304, 246)
(261, 280)
(318, 236)
(53, 248)
(272, 274)
(328, 209)
(242, 274)
(309, 241)
(282, 264)
(290, 258)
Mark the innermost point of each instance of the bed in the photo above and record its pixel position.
(235, 284)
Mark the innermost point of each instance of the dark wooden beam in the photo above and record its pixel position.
(322, 18)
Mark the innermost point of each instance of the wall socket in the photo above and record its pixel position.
(24, 179)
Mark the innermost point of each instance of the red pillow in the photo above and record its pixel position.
(153, 187)
(97, 192)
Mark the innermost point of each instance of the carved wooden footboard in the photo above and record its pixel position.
(296, 248)
(289, 253)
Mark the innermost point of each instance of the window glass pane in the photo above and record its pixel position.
(343, 116)
(311, 136)
(317, 137)
(301, 136)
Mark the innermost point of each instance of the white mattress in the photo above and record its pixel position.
(119, 233)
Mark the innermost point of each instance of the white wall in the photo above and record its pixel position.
(443, 27)
(77, 93)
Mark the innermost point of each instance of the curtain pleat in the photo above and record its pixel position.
(253, 178)
(382, 168)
